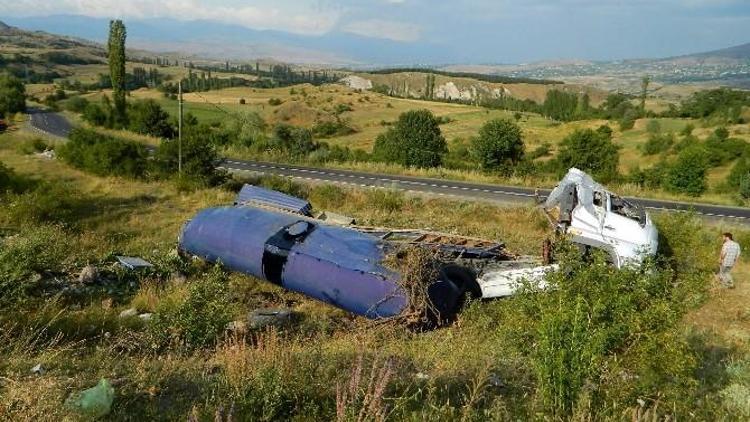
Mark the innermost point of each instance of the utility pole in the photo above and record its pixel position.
(179, 129)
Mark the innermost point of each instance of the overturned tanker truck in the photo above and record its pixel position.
(276, 237)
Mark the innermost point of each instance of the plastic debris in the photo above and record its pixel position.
(94, 402)
(145, 317)
(128, 313)
(133, 263)
(48, 154)
(38, 369)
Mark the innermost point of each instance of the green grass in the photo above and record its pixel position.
(293, 372)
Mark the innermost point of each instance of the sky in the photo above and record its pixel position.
(477, 31)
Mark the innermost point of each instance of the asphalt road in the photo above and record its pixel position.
(56, 124)
(50, 123)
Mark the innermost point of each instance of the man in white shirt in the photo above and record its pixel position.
(730, 253)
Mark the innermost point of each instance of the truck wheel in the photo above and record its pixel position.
(463, 278)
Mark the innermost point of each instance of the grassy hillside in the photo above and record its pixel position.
(482, 367)
(371, 114)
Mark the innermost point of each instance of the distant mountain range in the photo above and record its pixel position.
(214, 40)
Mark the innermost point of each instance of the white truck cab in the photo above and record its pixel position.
(592, 217)
(595, 217)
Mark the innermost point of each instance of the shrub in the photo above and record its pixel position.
(590, 150)
(740, 169)
(653, 127)
(744, 188)
(196, 320)
(330, 129)
(658, 143)
(43, 202)
(342, 108)
(275, 101)
(499, 145)
(77, 104)
(199, 157)
(542, 150)
(95, 114)
(688, 174)
(104, 155)
(242, 101)
(292, 139)
(148, 118)
(245, 129)
(652, 178)
(35, 251)
(12, 95)
(598, 332)
(415, 140)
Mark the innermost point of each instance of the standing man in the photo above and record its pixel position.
(730, 252)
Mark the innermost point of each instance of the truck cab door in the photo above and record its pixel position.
(620, 231)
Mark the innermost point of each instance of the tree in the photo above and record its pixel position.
(147, 117)
(199, 155)
(116, 51)
(12, 95)
(688, 174)
(499, 144)
(95, 115)
(644, 92)
(292, 139)
(590, 150)
(415, 140)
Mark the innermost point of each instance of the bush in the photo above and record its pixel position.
(199, 157)
(415, 140)
(688, 174)
(275, 101)
(242, 101)
(196, 320)
(542, 150)
(39, 202)
(658, 143)
(653, 127)
(104, 155)
(597, 334)
(95, 115)
(292, 139)
(590, 150)
(740, 170)
(34, 251)
(148, 118)
(652, 178)
(12, 95)
(330, 129)
(245, 129)
(77, 104)
(499, 145)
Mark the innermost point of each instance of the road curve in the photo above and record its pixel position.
(57, 125)
(54, 124)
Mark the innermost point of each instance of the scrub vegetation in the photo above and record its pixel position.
(603, 344)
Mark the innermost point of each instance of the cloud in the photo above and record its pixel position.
(265, 14)
(378, 28)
